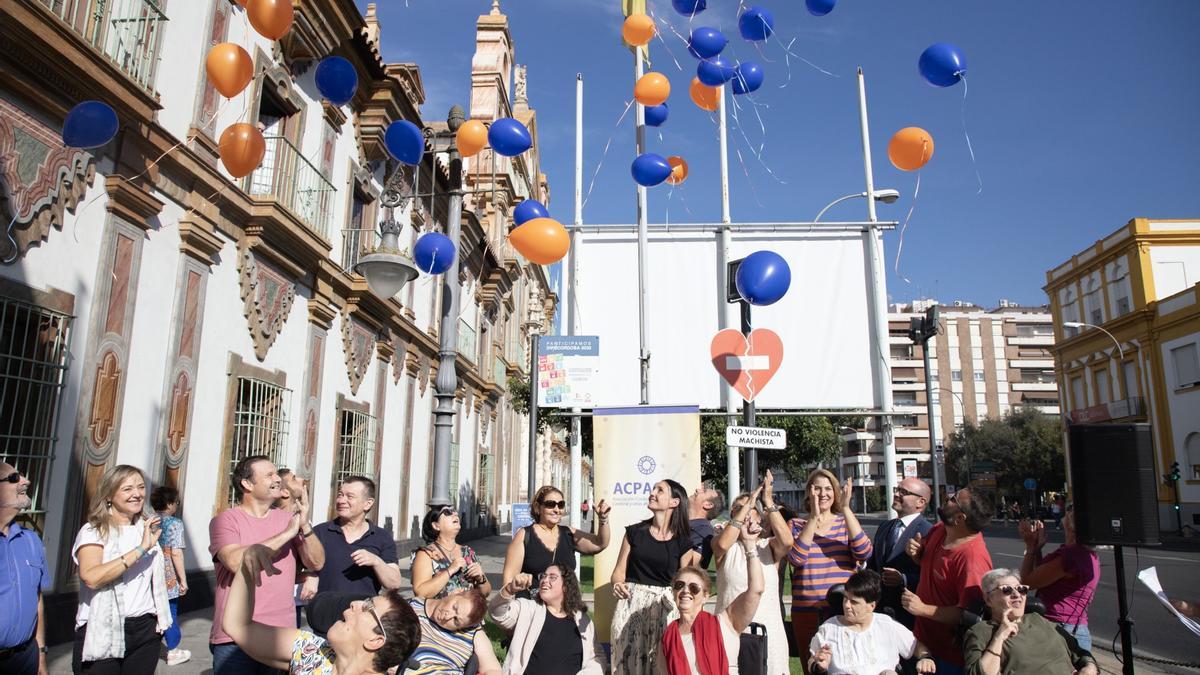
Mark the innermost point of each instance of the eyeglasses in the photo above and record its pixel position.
(693, 587)
(447, 511)
(548, 577)
(14, 477)
(551, 504)
(369, 605)
(906, 493)
(1013, 590)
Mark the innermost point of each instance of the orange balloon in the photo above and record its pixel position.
(271, 18)
(638, 30)
(471, 138)
(652, 89)
(242, 148)
(230, 68)
(542, 240)
(704, 96)
(679, 170)
(910, 149)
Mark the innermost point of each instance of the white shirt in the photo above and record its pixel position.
(907, 520)
(137, 596)
(874, 650)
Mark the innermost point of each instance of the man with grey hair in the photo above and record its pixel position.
(1012, 641)
(23, 577)
(704, 504)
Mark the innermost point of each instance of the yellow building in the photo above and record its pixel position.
(1127, 344)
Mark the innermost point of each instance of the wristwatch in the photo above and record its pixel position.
(772, 508)
(45, 649)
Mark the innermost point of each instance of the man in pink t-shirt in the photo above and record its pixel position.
(953, 562)
(256, 486)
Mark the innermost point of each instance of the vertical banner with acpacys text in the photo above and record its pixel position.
(634, 448)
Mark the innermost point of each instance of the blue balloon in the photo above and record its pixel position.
(706, 42)
(509, 137)
(820, 7)
(716, 71)
(749, 77)
(763, 278)
(528, 210)
(433, 253)
(405, 142)
(650, 169)
(756, 23)
(942, 64)
(336, 80)
(656, 115)
(689, 7)
(90, 124)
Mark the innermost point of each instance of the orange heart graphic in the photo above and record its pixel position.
(747, 363)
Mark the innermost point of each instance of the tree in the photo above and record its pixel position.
(810, 441)
(1027, 443)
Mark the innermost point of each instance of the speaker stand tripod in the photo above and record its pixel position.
(1123, 622)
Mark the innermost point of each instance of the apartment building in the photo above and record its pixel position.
(1127, 326)
(983, 363)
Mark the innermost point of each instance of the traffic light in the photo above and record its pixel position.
(920, 329)
(916, 329)
(1174, 475)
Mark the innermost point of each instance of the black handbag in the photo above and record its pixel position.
(752, 655)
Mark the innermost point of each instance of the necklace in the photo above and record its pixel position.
(443, 551)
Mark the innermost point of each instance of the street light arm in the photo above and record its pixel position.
(833, 203)
(1081, 324)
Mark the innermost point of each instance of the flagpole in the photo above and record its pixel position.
(643, 351)
(727, 315)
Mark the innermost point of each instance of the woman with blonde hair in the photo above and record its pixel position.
(827, 547)
(123, 607)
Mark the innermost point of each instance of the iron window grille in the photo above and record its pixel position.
(356, 445)
(260, 422)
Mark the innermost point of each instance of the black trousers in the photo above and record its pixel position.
(21, 660)
(142, 643)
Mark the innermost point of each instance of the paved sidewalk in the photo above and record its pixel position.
(491, 556)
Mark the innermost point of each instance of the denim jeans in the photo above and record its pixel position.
(229, 659)
(1080, 632)
(173, 635)
(22, 660)
(947, 668)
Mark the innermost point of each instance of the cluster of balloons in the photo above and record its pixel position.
(538, 237)
(941, 65)
(763, 278)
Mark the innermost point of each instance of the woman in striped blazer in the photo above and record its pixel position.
(828, 546)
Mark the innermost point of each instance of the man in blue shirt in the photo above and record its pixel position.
(23, 577)
(360, 556)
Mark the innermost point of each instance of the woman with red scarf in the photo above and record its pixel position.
(698, 642)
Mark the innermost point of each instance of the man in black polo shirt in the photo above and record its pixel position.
(360, 557)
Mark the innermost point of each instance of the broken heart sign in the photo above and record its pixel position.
(747, 362)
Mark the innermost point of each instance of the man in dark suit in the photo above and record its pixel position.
(889, 557)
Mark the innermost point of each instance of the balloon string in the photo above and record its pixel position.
(971, 150)
(608, 143)
(750, 146)
(658, 34)
(16, 247)
(788, 50)
(903, 228)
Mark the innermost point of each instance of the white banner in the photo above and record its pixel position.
(635, 448)
(823, 320)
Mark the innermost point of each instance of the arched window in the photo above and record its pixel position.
(1192, 447)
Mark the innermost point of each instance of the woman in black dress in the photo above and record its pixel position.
(547, 542)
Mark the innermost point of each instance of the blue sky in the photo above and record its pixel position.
(1083, 114)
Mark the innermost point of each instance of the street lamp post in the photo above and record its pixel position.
(1120, 353)
(886, 195)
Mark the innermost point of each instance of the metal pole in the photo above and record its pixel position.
(533, 414)
(447, 379)
(929, 414)
(643, 350)
(748, 414)
(732, 452)
(1124, 624)
(573, 314)
(878, 282)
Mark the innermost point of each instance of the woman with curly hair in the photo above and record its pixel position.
(551, 633)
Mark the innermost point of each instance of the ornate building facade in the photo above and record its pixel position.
(155, 311)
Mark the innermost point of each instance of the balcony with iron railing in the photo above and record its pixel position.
(128, 32)
(287, 176)
(499, 371)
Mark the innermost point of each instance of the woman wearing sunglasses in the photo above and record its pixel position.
(551, 633)
(443, 565)
(547, 541)
(373, 636)
(651, 554)
(1013, 642)
(699, 642)
(1066, 579)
